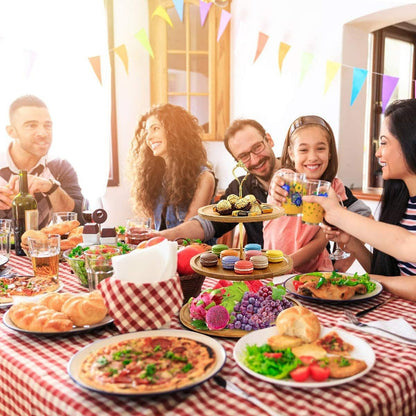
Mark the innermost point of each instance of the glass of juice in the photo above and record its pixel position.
(44, 253)
(137, 230)
(295, 186)
(313, 213)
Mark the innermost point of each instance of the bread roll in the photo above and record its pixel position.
(39, 318)
(61, 228)
(300, 322)
(32, 234)
(87, 309)
(55, 300)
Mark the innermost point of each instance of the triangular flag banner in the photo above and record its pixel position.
(358, 77)
(179, 8)
(225, 18)
(283, 50)
(29, 59)
(306, 62)
(261, 43)
(161, 12)
(144, 40)
(95, 62)
(331, 70)
(121, 51)
(203, 10)
(389, 84)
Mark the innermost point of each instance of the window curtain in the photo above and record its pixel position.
(46, 46)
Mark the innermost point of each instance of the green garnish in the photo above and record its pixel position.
(157, 348)
(343, 362)
(102, 361)
(187, 368)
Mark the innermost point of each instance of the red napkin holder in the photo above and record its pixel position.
(139, 307)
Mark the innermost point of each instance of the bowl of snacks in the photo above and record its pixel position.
(75, 258)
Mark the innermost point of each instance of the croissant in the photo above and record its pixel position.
(55, 300)
(39, 318)
(71, 242)
(61, 228)
(86, 309)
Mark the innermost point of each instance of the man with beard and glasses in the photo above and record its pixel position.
(246, 140)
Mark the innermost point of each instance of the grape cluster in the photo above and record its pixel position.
(257, 310)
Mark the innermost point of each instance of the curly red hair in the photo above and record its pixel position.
(186, 152)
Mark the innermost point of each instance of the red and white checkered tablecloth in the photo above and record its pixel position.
(34, 379)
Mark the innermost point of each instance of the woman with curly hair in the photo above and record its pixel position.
(168, 166)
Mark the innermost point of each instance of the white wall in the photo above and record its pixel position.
(331, 30)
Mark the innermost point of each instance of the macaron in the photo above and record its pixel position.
(252, 246)
(229, 252)
(274, 256)
(229, 261)
(251, 253)
(217, 248)
(243, 267)
(260, 262)
(208, 259)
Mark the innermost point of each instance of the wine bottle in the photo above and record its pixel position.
(23, 205)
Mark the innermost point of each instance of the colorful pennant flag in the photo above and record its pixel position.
(306, 62)
(225, 18)
(203, 10)
(358, 78)
(389, 84)
(121, 51)
(141, 36)
(331, 70)
(29, 60)
(95, 62)
(161, 12)
(261, 43)
(283, 50)
(179, 8)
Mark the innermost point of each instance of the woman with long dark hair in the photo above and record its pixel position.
(393, 261)
(168, 167)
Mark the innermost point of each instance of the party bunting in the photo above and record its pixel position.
(225, 18)
(161, 12)
(179, 8)
(331, 70)
(203, 10)
(121, 51)
(358, 78)
(144, 40)
(283, 50)
(95, 62)
(29, 60)
(261, 43)
(306, 62)
(389, 84)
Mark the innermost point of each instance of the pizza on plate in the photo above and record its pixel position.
(25, 286)
(147, 365)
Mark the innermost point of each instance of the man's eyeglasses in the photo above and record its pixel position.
(255, 150)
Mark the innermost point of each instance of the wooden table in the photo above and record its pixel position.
(34, 379)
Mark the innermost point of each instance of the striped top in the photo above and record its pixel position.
(409, 223)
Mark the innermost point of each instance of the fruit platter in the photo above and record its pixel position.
(232, 309)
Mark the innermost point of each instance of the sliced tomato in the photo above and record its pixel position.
(307, 359)
(319, 373)
(272, 354)
(300, 374)
(296, 284)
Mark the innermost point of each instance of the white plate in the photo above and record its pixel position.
(74, 365)
(35, 298)
(288, 284)
(75, 330)
(3, 260)
(361, 351)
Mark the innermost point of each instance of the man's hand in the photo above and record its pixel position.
(6, 196)
(35, 183)
(277, 193)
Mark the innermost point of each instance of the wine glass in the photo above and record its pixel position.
(338, 253)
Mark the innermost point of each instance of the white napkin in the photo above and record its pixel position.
(147, 265)
(399, 326)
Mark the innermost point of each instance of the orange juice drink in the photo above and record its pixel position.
(313, 213)
(295, 186)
